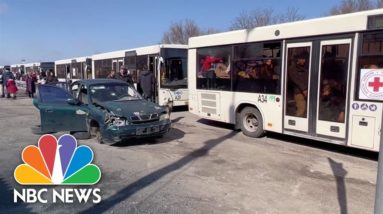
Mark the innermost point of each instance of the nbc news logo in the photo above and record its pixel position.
(57, 162)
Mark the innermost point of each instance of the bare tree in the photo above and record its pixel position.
(210, 31)
(180, 32)
(263, 17)
(379, 4)
(291, 15)
(252, 19)
(350, 6)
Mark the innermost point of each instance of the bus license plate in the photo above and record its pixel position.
(147, 130)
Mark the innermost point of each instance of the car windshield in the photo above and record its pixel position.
(112, 92)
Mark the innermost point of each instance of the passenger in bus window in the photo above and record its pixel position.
(298, 75)
(331, 106)
(268, 76)
(222, 71)
(372, 66)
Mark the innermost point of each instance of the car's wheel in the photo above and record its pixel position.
(251, 122)
(81, 135)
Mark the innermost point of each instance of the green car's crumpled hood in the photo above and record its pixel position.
(133, 107)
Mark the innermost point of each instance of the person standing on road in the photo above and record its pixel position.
(7, 74)
(121, 75)
(31, 84)
(147, 84)
(11, 88)
(112, 75)
(124, 76)
(42, 78)
(51, 79)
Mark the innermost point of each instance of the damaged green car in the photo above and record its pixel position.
(110, 110)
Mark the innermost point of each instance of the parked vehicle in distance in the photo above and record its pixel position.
(110, 110)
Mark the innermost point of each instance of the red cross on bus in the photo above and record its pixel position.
(376, 84)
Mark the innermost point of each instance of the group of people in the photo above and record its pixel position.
(8, 82)
(145, 84)
(261, 73)
(32, 78)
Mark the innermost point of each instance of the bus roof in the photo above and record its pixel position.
(351, 22)
(77, 59)
(140, 51)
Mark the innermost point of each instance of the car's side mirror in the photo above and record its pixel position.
(72, 101)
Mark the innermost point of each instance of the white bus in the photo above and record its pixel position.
(18, 69)
(39, 67)
(167, 62)
(320, 79)
(73, 69)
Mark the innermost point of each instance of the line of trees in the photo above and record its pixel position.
(350, 6)
(179, 32)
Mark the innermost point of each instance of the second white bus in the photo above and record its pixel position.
(167, 62)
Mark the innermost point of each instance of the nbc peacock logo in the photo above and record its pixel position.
(57, 162)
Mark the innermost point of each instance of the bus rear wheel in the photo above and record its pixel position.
(251, 122)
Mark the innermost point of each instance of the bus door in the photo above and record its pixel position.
(316, 87)
(153, 68)
(297, 87)
(334, 67)
(117, 64)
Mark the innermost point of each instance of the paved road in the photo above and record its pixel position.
(202, 167)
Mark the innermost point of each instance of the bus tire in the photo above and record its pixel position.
(251, 122)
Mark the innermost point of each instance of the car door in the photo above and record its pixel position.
(59, 114)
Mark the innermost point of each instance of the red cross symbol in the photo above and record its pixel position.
(376, 84)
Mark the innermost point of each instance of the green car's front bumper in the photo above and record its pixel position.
(114, 134)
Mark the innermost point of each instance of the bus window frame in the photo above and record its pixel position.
(358, 65)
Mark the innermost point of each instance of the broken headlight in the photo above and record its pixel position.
(164, 116)
(113, 120)
(120, 122)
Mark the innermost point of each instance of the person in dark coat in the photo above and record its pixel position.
(121, 75)
(31, 84)
(298, 74)
(112, 75)
(147, 84)
(51, 79)
(7, 74)
(124, 76)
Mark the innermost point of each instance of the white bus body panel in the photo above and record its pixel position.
(364, 129)
(178, 96)
(222, 105)
(363, 126)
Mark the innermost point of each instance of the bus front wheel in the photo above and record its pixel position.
(251, 122)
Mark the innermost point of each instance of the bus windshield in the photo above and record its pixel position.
(173, 73)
